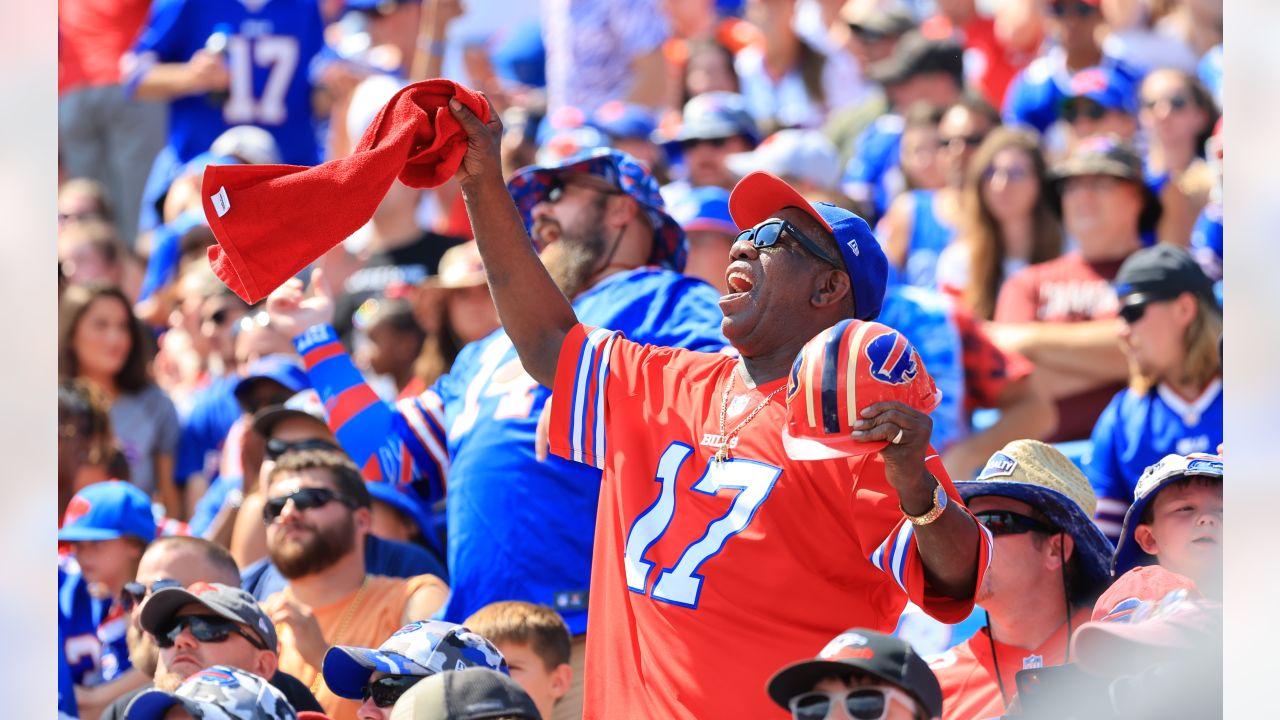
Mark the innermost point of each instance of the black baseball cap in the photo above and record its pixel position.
(916, 54)
(226, 601)
(866, 652)
(1108, 155)
(473, 693)
(1161, 272)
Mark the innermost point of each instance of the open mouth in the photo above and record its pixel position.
(739, 282)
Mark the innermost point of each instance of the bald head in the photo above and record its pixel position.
(188, 560)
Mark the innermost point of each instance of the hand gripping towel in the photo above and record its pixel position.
(271, 221)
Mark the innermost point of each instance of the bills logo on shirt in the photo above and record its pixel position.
(893, 360)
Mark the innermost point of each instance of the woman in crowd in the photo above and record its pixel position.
(1008, 220)
(455, 308)
(1177, 116)
(100, 340)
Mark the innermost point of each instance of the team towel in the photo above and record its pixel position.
(271, 221)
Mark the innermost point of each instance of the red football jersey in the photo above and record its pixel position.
(967, 674)
(707, 577)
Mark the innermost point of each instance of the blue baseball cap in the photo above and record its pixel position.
(718, 114)
(106, 511)
(1105, 86)
(382, 7)
(559, 120)
(623, 120)
(530, 185)
(426, 647)
(705, 209)
(393, 495)
(284, 369)
(759, 196)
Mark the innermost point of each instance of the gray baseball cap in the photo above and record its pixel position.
(225, 601)
(473, 693)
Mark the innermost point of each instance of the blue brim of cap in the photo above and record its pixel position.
(387, 493)
(87, 534)
(346, 669)
(151, 705)
(1093, 547)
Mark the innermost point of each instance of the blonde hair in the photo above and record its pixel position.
(524, 623)
(1202, 360)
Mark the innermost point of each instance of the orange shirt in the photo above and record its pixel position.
(378, 613)
(967, 673)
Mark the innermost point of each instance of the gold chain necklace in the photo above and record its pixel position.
(723, 453)
(342, 628)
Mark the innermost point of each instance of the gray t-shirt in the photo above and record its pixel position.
(146, 424)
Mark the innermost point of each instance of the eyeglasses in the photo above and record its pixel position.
(556, 193)
(1079, 9)
(303, 499)
(1176, 102)
(276, 448)
(1007, 522)
(766, 234)
(1083, 109)
(865, 703)
(969, 141)
(716, 143)
(134, 593)
(1011, 174)
(387, 689)
(206, 629)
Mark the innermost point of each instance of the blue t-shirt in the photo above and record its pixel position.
(518, 529)
(213, 411)
(92, 631)
(1136, 431)
(873, 175)
(269, 53)
(929, 237)
(381, 557)
(66, 686)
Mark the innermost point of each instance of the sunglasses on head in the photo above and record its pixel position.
(1083, 109)
(1079, 9)
(766, 234)
(303, 499)
(387, 689)
(134, 593)
(276, 448)
(1007, 522)
(206, 629)
(1176, 102)
(864, 703)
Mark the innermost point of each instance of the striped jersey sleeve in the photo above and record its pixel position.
(898, 557)
(403, 444)
(578, 407)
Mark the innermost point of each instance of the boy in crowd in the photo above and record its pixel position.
(535, 641)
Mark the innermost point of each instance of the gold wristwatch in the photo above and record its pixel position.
(939, 504)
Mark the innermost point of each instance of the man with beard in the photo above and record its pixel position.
(177, 562)
(318, 517)
(713, 540)
(604, 234)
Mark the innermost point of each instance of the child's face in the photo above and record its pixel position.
(544, 686)
(106, 561)
(1185, 533)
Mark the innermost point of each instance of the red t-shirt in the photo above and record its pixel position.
(988, 64)
(1064, 290)
(708, 577)
(967, 672)
(92, 35)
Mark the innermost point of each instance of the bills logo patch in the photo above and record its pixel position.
(893, 360)
(1195, 467)
(76, 509)
(215, 677)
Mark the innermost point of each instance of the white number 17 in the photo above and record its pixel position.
(681, 585)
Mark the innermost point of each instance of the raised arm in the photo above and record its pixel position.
(534, 313)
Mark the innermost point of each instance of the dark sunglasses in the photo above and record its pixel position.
(870, 703)
(1083, 109)
(1007, 522)
(206, 629)
(1133, 312)
(134, 593)
(303, 499)
(1176, 102)
(276, 448)
(1079, 9)
(387, 689)
(970, 141)
(695, 142)
(219, 317)
(556, 193)
(767, 233)
(81, 216)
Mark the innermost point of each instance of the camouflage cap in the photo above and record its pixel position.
(217, 693)
(422, 648)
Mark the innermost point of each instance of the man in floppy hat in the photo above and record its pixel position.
(705, 520)
(1061, 314)
(869, 675)
(604, 231)
(1049, 563)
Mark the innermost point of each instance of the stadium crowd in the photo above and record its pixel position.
(831, 358)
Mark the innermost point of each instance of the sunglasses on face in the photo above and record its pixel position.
(1176, 102)
(1133, 312)
(1011, 174)
(716, 143)
(303, 499)
(276, 448)
(64, 218)
(134, 593)
(556, 193)
(387, 689)
(1080, 10)
(206, 629)
(866, 703)
(1007, 522)
(969, 141)
(767, 233)
(1085, 109)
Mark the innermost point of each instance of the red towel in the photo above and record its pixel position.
(271, 221)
